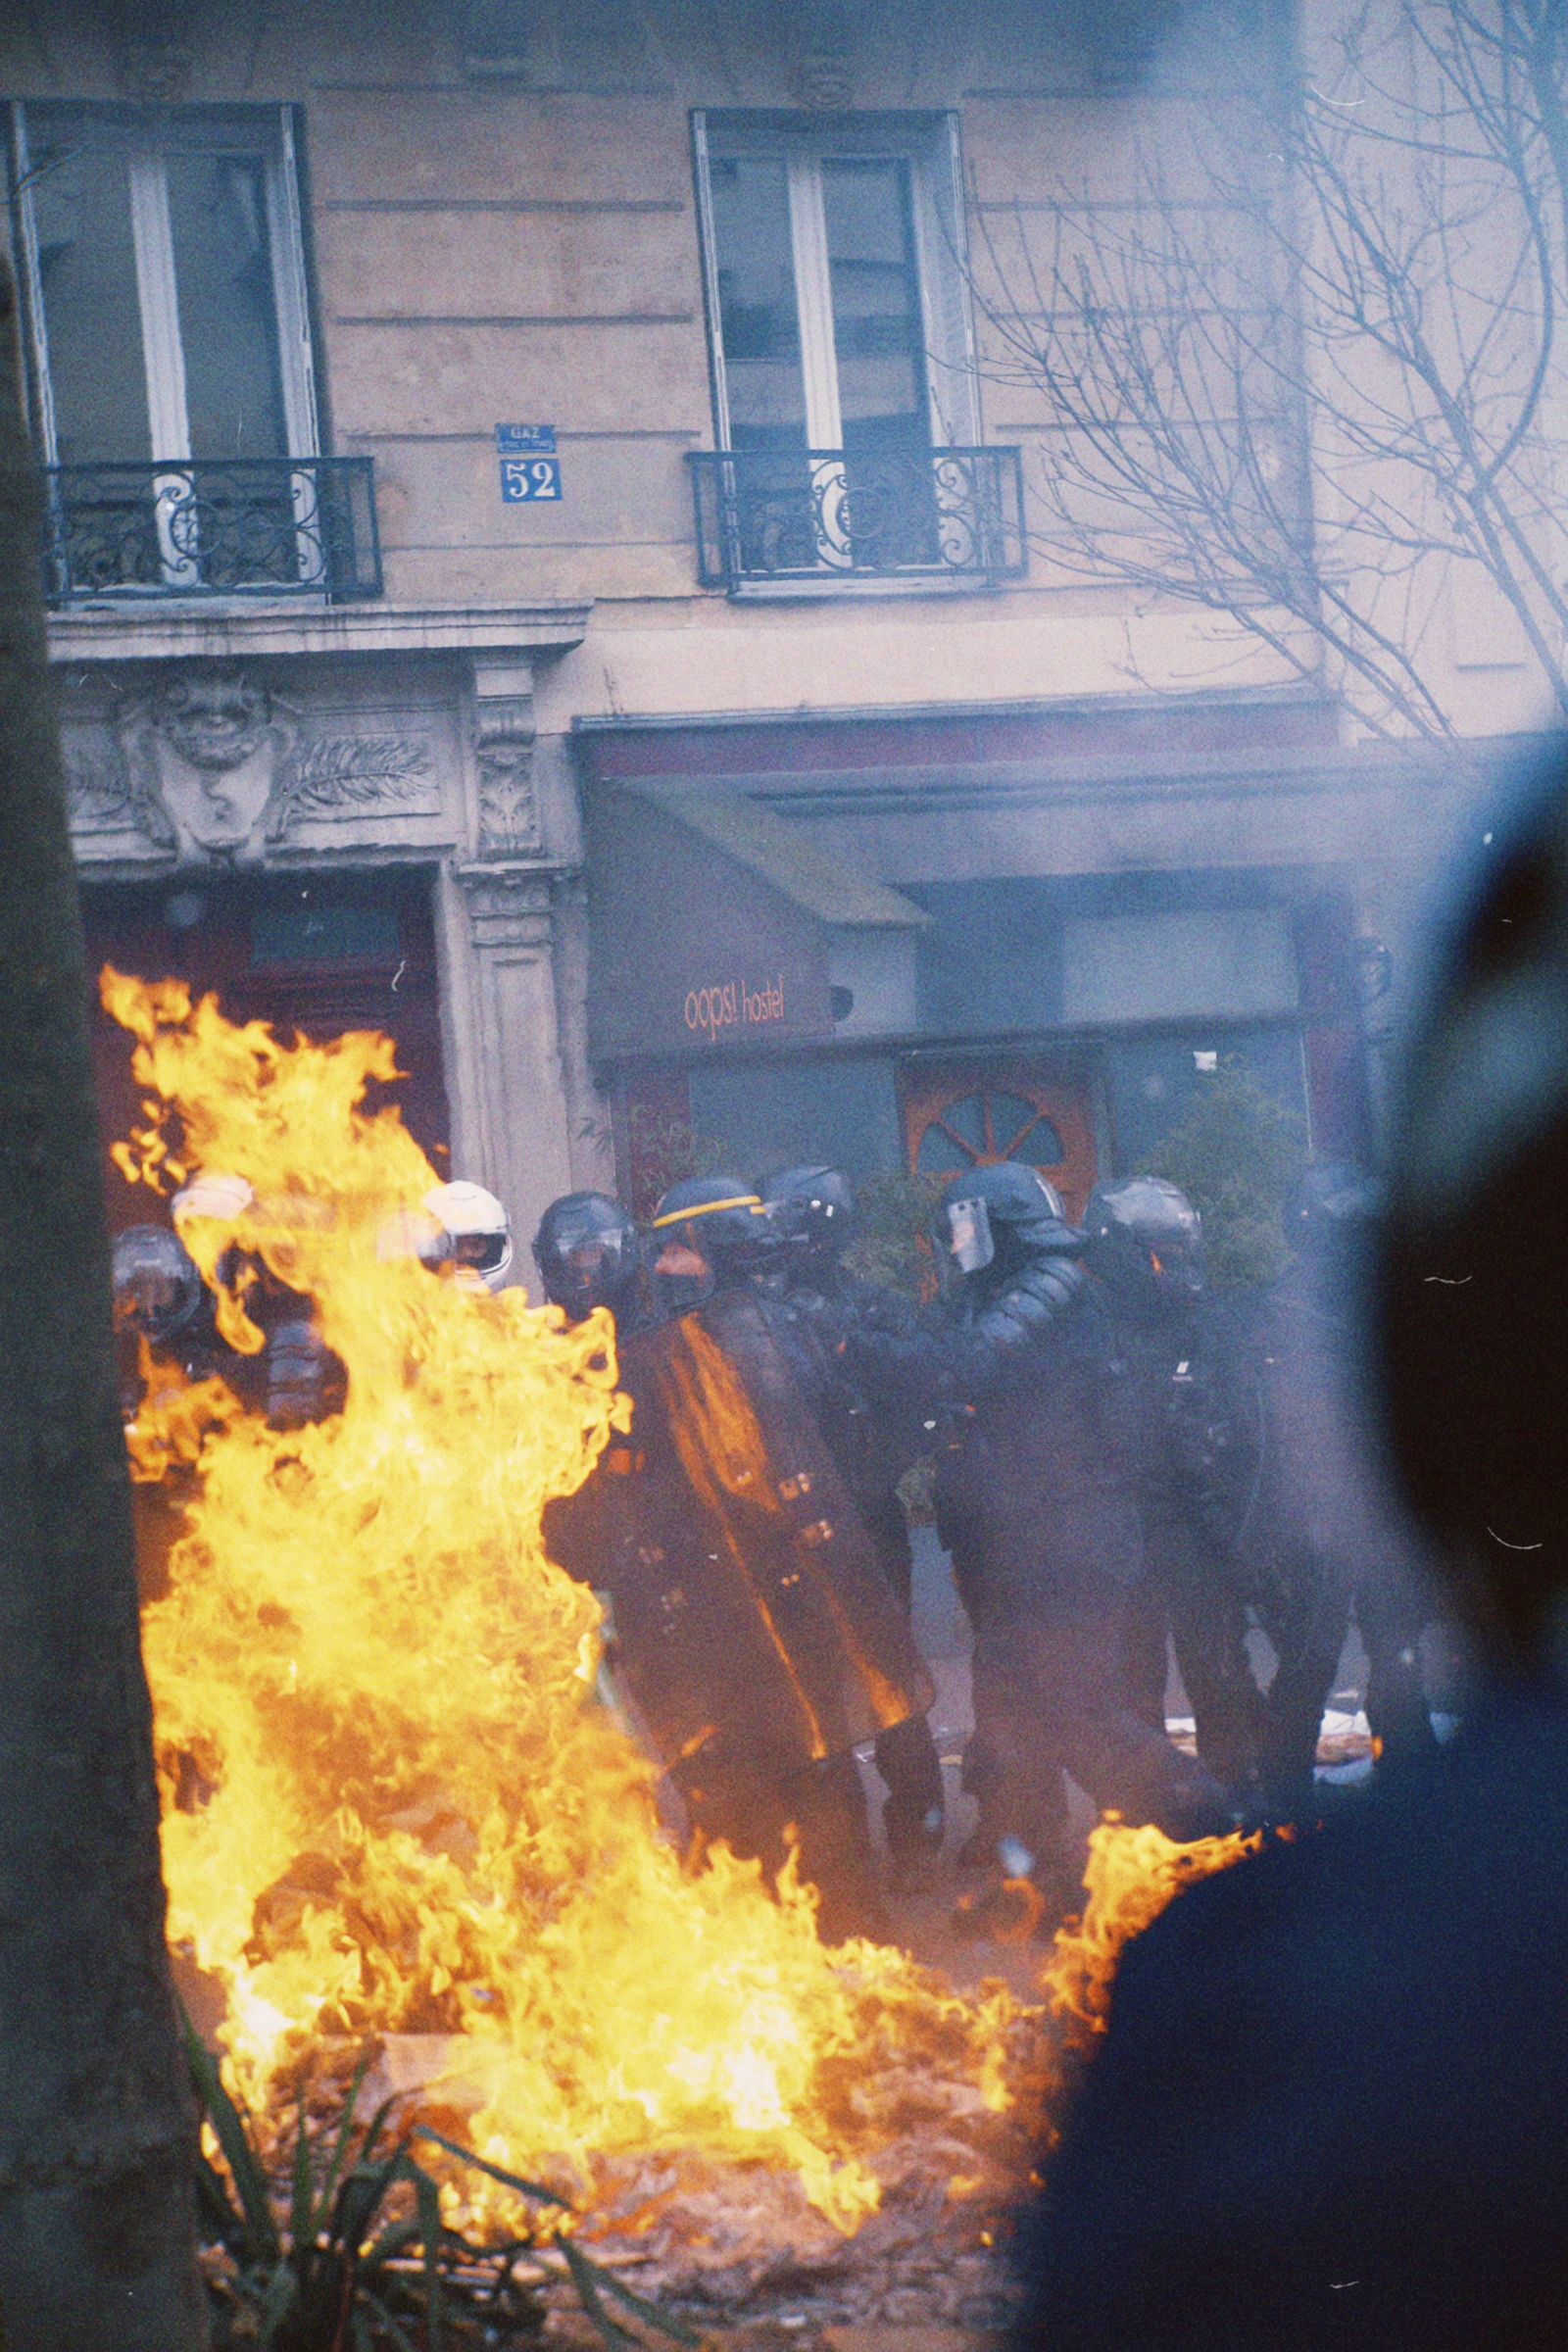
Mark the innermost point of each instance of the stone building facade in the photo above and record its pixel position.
(542, 563)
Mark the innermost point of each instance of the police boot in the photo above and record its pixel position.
(914, 1815)
(1020, 1898)
(833, 1844)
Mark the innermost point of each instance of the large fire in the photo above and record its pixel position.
(396, 1803)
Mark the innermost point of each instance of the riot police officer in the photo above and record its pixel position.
(294, 1378)
(755, 1638)
(1147, 1245)
(1311, 1533)
(158, 1291)
(709, 1233)
(589, 1253)
(167, 1341)
(1035, 1505)
(815, 1212)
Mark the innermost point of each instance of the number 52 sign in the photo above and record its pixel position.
(529, 478)
(530, 471)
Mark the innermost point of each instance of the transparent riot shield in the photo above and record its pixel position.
(751, 1618)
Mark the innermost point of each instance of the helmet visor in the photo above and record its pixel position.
(148, 1300)
(485, 1253)
(593, 1267)
(971, 1245)
(1177, 1260)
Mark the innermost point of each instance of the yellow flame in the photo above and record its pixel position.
(1131, 1877)
(392, 1802)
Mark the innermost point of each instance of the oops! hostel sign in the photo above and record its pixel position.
(734, 1004)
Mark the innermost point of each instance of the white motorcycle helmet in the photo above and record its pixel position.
(475, 1233)
(223, 1197)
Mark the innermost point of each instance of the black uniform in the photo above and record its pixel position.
(1146, 1244)
(1034, 1503)
(755, 1639)
(1298, 1505)
(818, 1311)
(165, 1321)
(1190, 1591)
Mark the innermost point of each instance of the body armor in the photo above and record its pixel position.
(751, 1616)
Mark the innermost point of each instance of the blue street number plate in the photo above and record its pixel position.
(526, 481)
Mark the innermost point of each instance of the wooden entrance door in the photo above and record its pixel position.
(971, 1114)
(319, 954)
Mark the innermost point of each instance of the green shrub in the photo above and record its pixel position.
(1236, 1155)
(894, 1244)
(354, 2255)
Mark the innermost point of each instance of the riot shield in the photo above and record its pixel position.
(752, 1622)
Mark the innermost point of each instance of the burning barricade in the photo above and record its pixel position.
(398, 1811)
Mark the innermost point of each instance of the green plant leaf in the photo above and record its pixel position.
(334, 2169)
(608, 2284)
(283, 2293)
(245, 2167)
(219, 2215)
(427, 2197)
(496, 2172)
(585, 2277)
(392, 2242)
(374, 2128)
(360, 2200)
(301, 2203)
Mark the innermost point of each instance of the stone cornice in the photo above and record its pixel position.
(156, 632)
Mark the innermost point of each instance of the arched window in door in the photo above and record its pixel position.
(973, 1115)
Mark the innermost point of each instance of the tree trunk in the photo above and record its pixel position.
(97, 2135)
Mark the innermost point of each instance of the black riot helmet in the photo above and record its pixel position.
(812, 1210)
(1148, 1237)
(588, 1255)
(710, 1233)
(993, 1219)
(1471, 1331)
(157, 1287)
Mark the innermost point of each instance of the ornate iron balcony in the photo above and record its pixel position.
(234, 526)
(824, 515)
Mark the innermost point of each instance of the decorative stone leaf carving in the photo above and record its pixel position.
(106, 796)
(508, 812)
(346, 775)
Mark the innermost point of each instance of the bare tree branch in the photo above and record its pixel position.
(1312, 368)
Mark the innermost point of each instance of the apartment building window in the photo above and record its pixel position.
(843, 377)
(175, 401)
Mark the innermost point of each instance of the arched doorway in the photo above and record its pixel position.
(968, 1114)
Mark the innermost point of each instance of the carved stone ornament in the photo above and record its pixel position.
(354, 775)
(508, 813)
(209, 762)
(503, 759)
(104, 796)
(508, 905)
(206, 743)
(149, 50)
(822, 55)
(152, 69)
(212, 719)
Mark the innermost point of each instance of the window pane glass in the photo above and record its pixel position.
(227, 307)
(876, 308)
(88, 267)
(758, 321)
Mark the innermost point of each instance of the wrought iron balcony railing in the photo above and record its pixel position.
(823, 514)
(234, 526)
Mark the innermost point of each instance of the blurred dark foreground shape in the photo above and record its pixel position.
(1332, 2108)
